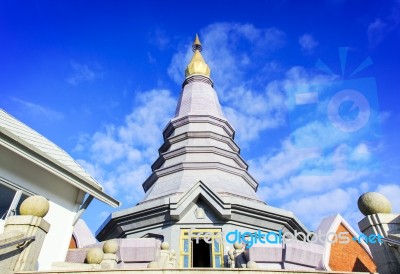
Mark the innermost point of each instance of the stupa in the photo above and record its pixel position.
(199, 183)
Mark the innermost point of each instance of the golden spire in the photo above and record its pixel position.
(197, 44)
(197, 65)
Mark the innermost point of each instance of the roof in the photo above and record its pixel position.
(329, 226)
(25, 141)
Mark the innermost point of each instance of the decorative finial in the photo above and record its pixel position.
(35, 206)
(373, 202)
(197, 65)
(196, 44)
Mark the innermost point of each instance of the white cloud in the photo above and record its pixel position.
(384, 25)
(154, 110)
(376, 31)
(313, 208)
(159, 38)
(285, 162)
(299, 79)
(38, 110)
(83, 73)
(318, 133)
(251, 112)
(105, 148)
(361, 152)
(228, 44)
(176, 69)
(295, 172)
(315, 162)
(225, 54)
(121, 154)
(307, 42)
(298, 177)
(392, 192)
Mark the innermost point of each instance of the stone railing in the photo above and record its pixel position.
(96, 258)
(167, 258)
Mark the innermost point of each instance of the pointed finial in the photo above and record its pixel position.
(197, 65)
(196, 44)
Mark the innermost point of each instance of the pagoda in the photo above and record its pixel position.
(199, 183)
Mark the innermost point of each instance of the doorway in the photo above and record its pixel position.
(201, 253)
(201, 247)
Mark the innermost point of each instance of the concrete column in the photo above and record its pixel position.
(380, 222)
(28, 226)
(384, 255)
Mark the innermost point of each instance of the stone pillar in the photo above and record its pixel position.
(29, 230)
(379, 221)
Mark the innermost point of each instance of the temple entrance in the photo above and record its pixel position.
(201, 253)
(201, 248)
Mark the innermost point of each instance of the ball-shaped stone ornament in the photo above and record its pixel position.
(35, 206)
(110, 246)
(237, 246)
(94, 256)
(373, 202)
(153, 264)
(252, 265)
(164, 246)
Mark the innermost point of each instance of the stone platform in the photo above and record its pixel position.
(184, 271)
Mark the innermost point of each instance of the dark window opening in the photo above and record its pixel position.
(152, 235)
(201, 253)
(6, 197)
(11, 199)
(23, 197)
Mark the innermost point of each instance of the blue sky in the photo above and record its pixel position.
(102, 78)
